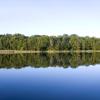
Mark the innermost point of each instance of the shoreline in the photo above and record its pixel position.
(49, 51)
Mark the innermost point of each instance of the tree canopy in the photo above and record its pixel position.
(44, 43)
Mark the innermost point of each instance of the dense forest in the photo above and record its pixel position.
(37, 60)
(44, 43)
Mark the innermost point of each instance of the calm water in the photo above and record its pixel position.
(50, 77)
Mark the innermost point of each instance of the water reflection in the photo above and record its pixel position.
(37, 60)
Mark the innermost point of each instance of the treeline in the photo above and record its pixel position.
(44, 60)
(43, 42)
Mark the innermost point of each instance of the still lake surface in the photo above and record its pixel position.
(70, 76)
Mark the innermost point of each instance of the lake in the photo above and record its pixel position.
(64, 76)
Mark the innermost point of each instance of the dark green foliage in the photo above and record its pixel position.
(44, 43)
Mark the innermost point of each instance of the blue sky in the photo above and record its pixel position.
(50, 17)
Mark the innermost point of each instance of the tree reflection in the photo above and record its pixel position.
(45, 60)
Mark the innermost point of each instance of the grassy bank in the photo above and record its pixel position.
(50, 51)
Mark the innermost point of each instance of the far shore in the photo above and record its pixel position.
(49, 51)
